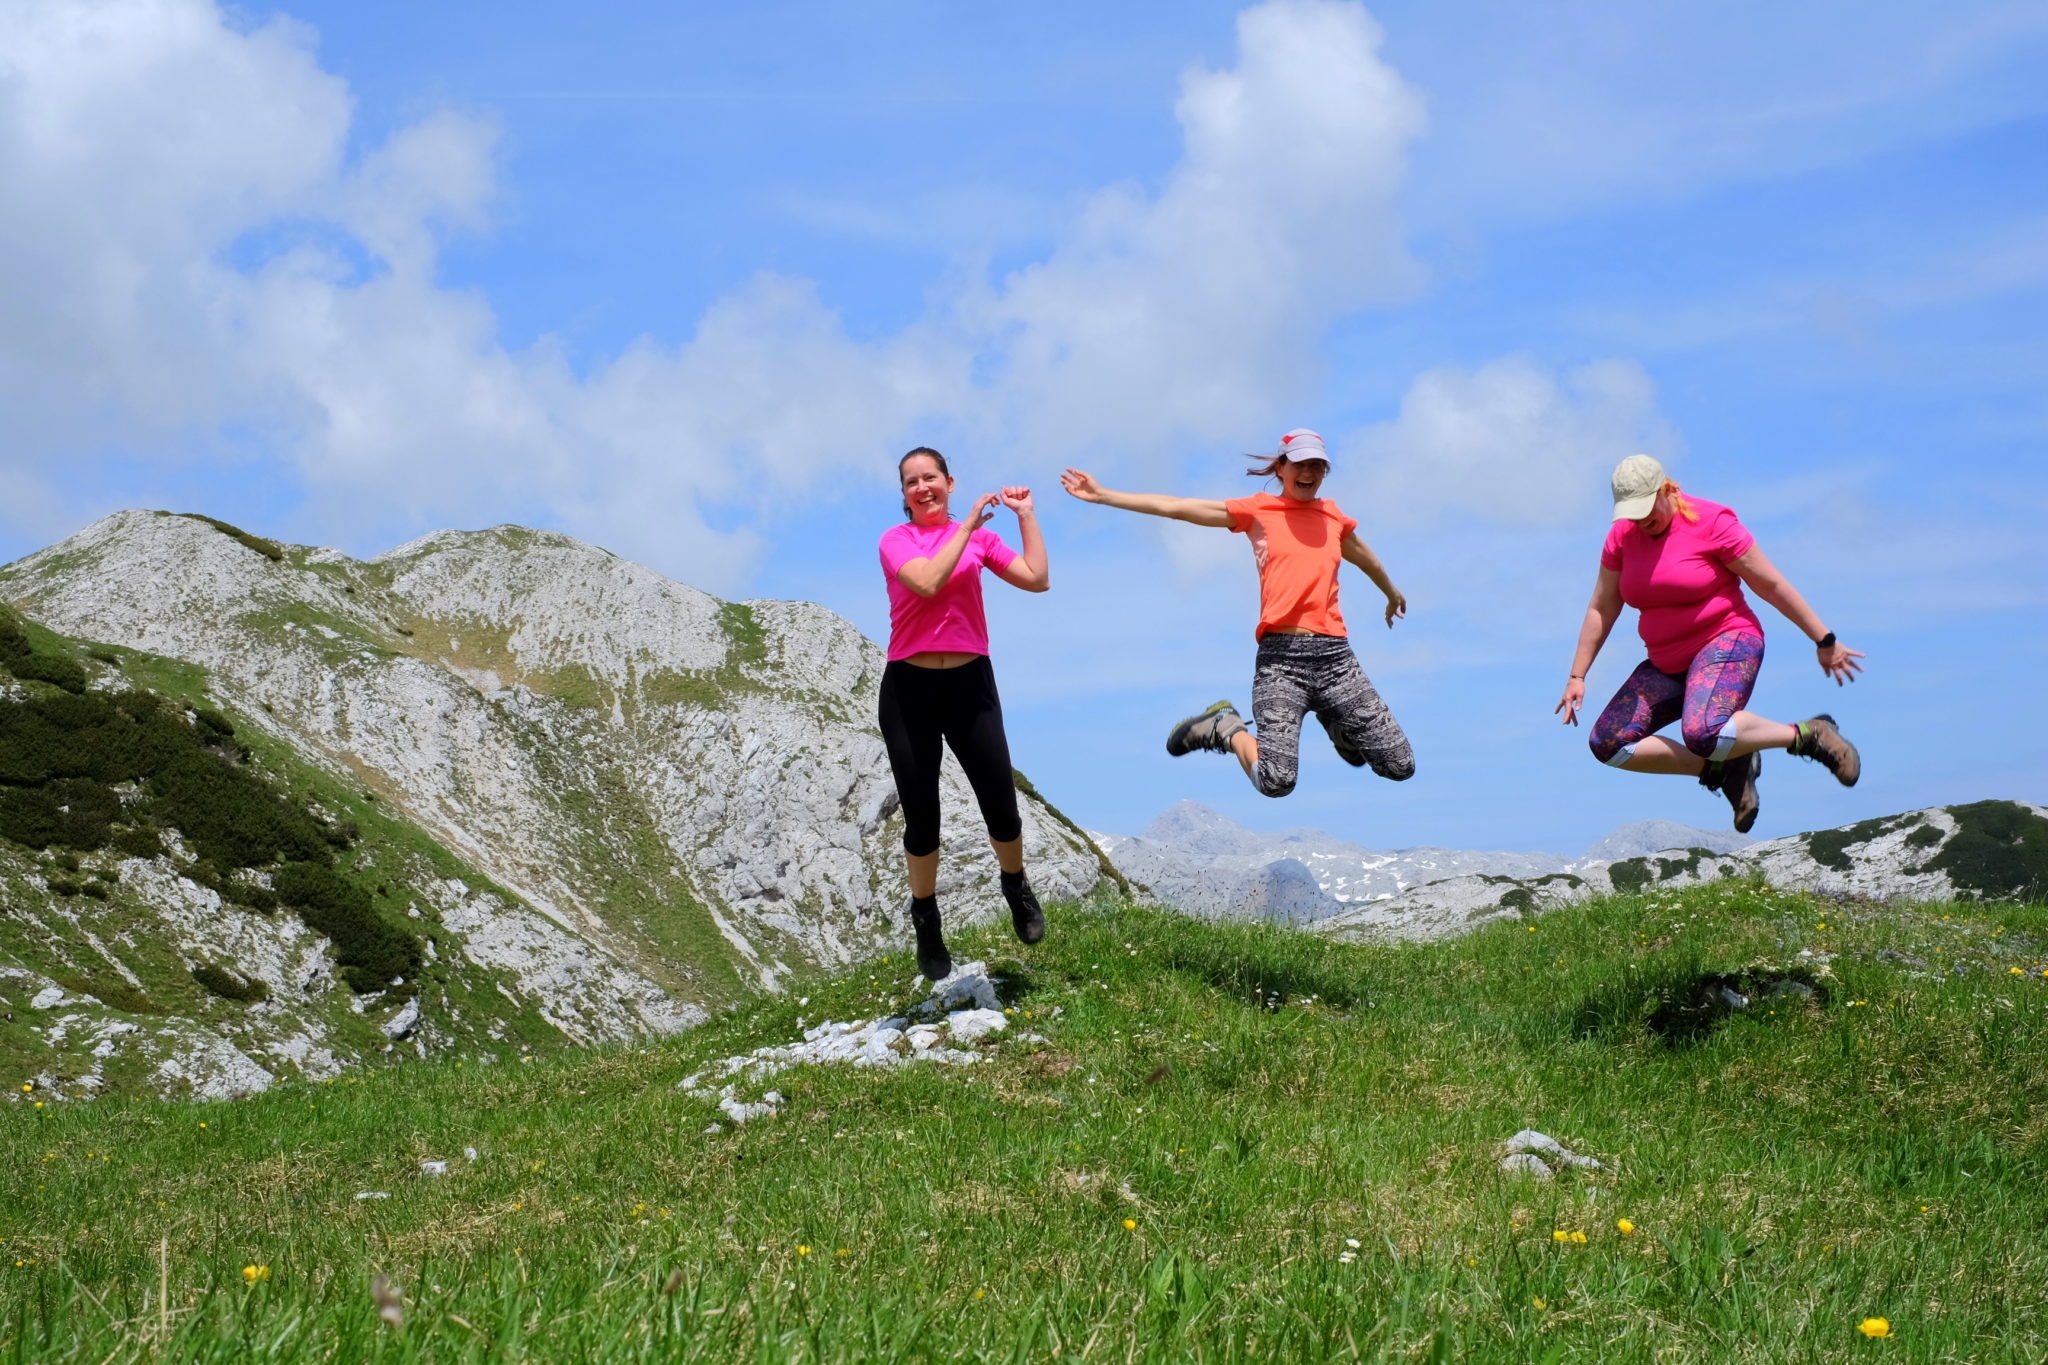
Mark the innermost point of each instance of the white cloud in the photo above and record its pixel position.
(1511, 441)
(187, 250)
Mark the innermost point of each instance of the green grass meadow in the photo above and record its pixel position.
(1233, 1144)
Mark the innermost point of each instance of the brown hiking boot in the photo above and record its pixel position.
(1738, 784)
(1820, 740)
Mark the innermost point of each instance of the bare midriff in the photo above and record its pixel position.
(939, 658)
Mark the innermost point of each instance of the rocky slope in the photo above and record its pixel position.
(605, 801)
(1986, 850)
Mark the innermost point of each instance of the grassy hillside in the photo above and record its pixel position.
(126, 787)
(1233, 1144)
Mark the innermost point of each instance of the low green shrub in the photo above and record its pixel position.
(228, 986)
(371, 950)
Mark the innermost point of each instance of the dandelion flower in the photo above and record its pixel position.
(1560, 1235)
(252, 1273)
(1579, 1239)
(27, 1086)
(1130, 1225)
(1470, 1261)
(979, 1293)
(1874, 1327)
(1539, 1303)
(2018, 972)
(1624, 1226)
(803, 1250)
(39, 1104)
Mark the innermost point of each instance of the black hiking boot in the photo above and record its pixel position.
(1025, 916)
(1820, 740)
(932, 958)
(1213, 729)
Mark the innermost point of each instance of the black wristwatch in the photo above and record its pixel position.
(1826, 641)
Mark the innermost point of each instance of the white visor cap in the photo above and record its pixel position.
(1303, 444)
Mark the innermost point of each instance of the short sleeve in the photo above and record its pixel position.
(1345, 525)
(1240, 510)
(897, 549)
(994, 553)
(1726, 537)
(1610, 550)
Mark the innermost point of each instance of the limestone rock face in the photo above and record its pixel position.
(667, 800)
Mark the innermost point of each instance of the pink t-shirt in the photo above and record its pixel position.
(950, 619)
(1681, 583)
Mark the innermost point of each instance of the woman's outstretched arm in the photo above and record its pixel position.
(1838, 661)
(1028, 570)
(1199, 511)
(1601, 614)
(1359, 553)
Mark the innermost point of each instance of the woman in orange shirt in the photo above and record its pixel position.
(1305, 662)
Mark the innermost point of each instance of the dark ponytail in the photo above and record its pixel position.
(1268, 469)
(907, 458)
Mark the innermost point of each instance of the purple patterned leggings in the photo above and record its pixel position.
(1701, 699)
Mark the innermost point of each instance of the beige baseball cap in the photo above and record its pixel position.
(1636, 481)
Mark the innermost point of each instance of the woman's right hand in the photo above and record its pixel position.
(984, 508)
(1082, 486)
(1574, 698)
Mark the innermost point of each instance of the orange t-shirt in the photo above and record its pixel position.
(1299, 548)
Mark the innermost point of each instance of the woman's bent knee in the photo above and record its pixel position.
(1396, 769)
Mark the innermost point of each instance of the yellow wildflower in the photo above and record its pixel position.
(803, 1250)
(980, 1293)
(1579, 1238)
(1559, 1236)
(1874, 1327)
(253, 1273)
(1625, 1226)
(1539, 1303)
(1130, 1225)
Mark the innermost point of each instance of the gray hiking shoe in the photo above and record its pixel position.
(1213, 729)
(1821, 741)
(1339, 741)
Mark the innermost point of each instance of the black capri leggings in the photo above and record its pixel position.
(921, 706)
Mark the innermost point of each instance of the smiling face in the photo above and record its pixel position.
(1301, 480)
(927, 490)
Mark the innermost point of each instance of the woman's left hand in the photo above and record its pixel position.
(1017, 498)
(1397, 605)
(1838, 661)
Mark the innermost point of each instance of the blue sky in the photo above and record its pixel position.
(684, 279)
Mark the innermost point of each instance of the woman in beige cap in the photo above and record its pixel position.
(1681, 563)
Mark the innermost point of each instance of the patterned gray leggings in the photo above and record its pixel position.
(1302, 673)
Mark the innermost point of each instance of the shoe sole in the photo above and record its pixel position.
(1745, 821)
(1849, 769)
(1177, 738)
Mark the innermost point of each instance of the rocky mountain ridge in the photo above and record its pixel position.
(1202, 862)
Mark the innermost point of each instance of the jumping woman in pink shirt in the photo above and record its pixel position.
(1681, 562)
(939, 686)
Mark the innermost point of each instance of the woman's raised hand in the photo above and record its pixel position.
(984, 508)
(1082, 486)
(1017, 498)
(1574, 698)
(1838, 661)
